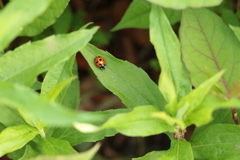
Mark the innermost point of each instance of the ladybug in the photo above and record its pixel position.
(100, 62)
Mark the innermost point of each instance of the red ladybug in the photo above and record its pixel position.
(100, 62)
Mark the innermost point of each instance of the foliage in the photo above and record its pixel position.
(37, 118)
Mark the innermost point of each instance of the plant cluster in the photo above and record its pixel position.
(39, 120)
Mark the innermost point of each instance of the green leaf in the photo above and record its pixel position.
(37, 107)
(192, 101)
(59, 74)
(175, 4)
(29, 153)
(53, 146)
(71, 97)
(36, 85)
(7, 112)
(229, 17)
(130, 83)
(180, 150)
(203, 113)
(174, 80)
(236, 30)
(63, 23)
(56, 90)
(74, 137)
(87, 155)
(208, 46)
(34, 58)
(13, 138)
(137, 15)
(154, 155)
(16, 15)
(139, 122)
(217, 142)
(55, 9)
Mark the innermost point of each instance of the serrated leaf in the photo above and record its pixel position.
(175, 4)
(139, 122)
(174, 80)
(34, 58)
(131, 84)
(217, 142)
(154, 155)
(16, 15)
(53, 146)
(15, 137)
(46, 19)
(179, 150)
(208, 46)
(195, 98)
(87, 155)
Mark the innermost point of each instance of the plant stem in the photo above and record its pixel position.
(235, 116)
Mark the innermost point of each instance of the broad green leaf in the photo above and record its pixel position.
(37, 107)
(2, 127)
(17, 154)
(139, 122)
(56, 90)
(217, 142)
(16, 15)
(53, 146)
(55, 76)
(10, 116)
(34, 58)
(229, 17)
(74, 137)
(175, 4)
(192, 101)
(15, 137)
(203, 113)
(130, 83)
(154, 155)
(71, 97)
(63, 23)
(208, 46)
(87, 155)
(180, 150)
(137, 15)
(236, 30)
(29, 153)
(55, 9)
(174, 80)
(36, 85)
